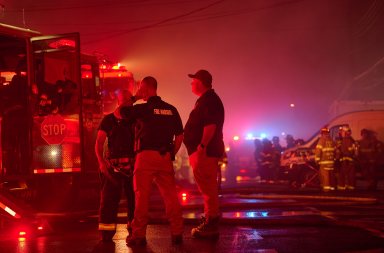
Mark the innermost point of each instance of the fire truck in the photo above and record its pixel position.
(114, 76)
(51, 106)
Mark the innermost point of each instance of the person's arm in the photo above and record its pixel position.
(208, 132)
(99, 150)
(177, 143)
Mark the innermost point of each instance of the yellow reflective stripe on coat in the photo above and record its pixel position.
(326, 162)
(328, 149)
(109, 227)
(347, 159)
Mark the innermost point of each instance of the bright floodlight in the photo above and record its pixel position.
(249, 136)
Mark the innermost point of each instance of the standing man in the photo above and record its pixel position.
(158, 137)
(325, 157)
(203, 137)
(116, 167)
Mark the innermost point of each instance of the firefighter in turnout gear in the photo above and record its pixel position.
(366, 154)
(116, 167)
(337, 167)
(346, 155)
(325, 157)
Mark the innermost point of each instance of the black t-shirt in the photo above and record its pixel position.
(120, 133)
(208, 110)
(157, 122)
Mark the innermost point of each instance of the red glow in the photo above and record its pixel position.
(184, 196)
(62, 43)
(243, 171)
(86, 74)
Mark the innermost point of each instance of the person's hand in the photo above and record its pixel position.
(104, 166)
(201, 150)
(140, 93)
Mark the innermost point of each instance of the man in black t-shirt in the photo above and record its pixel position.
(203, 137)
(159, 135)
(116, 167)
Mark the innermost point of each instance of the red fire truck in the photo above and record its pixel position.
(50, 108)
(114, 76)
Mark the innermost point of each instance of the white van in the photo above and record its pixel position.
(304, 154)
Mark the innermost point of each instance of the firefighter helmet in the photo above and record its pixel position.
(346, 129)
(324, 130)
(364, 131)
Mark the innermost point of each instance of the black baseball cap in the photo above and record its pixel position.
(204, 76)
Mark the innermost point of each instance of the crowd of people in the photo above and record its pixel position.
(135, 147)
(268, 154)
(337, 160)
(340, 159)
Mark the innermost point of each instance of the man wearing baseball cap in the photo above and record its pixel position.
(203, 138)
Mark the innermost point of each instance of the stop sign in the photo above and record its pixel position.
(53, 129)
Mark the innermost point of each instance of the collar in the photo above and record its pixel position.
(153, 99)
(207, 93)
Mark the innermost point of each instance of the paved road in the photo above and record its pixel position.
(256, 218)
(82, 237)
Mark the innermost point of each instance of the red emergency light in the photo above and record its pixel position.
(29, 230)
(184, 196)
(62, 43)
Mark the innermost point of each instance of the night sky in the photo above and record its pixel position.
(264, 55)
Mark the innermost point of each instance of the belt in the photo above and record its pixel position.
(121, 160)
(154, 149)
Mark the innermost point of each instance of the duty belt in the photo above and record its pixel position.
(121, 160)
(122, 165)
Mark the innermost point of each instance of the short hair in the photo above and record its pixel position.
(150, 81)
(123, 96)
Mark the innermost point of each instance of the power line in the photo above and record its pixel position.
(179, 18)
(160, 22)
(117, 4)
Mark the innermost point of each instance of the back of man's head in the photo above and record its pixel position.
(150, 82)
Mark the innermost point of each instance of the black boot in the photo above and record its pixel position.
(208, 228)
(106, 235)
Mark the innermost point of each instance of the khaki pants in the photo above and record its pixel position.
(205, 173)
(150, 167)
